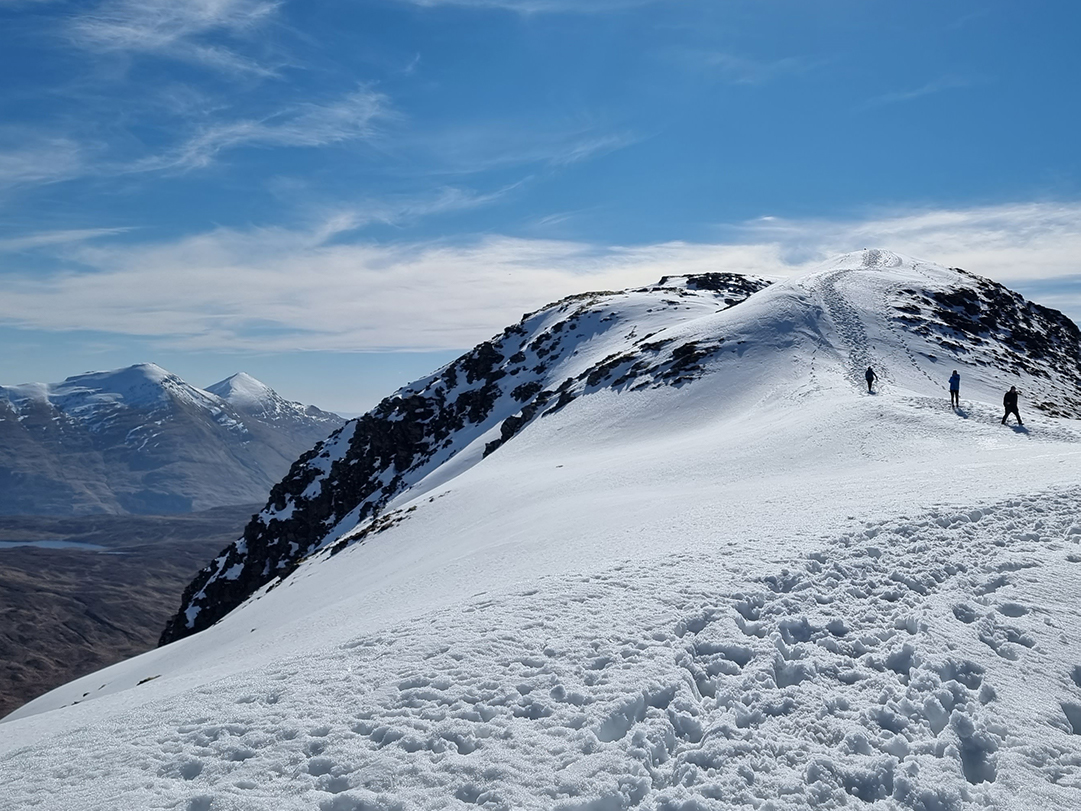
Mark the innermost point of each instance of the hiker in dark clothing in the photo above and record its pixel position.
(1010, 403)
(955, 389)
(871, 378)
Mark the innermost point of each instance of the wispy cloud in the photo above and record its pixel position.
(289, 289)
(47, 239)
(496, 144)
(178, 29)
(38, 159)
(589, 146)
(350, 118)
(405, 209)
(34, 159)
(539, 6)
(930, 88)
(742, 70)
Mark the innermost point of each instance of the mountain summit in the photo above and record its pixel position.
(141, 440)
(244, 391)
(649, 549)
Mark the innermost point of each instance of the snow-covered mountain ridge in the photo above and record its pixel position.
(536, 367)
(631, 341)
(758, 588)
(140, 439)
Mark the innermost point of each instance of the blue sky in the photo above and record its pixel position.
(338, 196)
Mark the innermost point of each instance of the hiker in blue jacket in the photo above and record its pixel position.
(955, 389)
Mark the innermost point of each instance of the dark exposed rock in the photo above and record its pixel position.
(990, 325)
(733, 285)
(526, 390)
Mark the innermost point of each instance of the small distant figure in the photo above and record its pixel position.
(871, 377)
(955, 389)
(1009, 401)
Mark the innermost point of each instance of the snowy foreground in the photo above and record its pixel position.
(763, 589)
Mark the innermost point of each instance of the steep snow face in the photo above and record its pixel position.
(620, 341)
(758, 587)
(142, 440)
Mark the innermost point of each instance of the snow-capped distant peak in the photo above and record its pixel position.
(140, 439)
(249, 396)
(141, 385)
(243, 390)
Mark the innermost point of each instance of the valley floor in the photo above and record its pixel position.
(80, 593)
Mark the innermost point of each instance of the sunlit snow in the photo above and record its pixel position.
(764, 588)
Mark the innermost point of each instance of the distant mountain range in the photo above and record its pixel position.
(140, 440)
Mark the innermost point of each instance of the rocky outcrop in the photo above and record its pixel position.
(989, 325)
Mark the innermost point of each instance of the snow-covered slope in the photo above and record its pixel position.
(463, 412)
(141, 440)
(756, 587)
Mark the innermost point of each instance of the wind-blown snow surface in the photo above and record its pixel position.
(763, 588)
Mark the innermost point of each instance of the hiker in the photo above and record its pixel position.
(955, 389)
(1009, 401)
(871, 378)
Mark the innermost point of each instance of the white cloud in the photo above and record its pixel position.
(279, 290)
(1010, 243)
(930, 88)
(175, 28)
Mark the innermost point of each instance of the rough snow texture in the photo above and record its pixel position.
(141, 440)
(882, 668)
(535, 368)
(764, 588)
